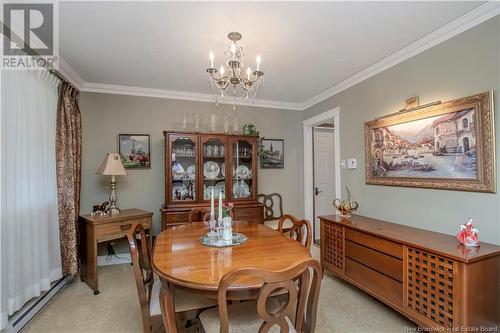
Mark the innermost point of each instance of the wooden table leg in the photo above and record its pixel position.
(167, 304)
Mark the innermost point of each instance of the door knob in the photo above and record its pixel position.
(316, 191)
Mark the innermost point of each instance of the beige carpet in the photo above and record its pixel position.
(342, 308)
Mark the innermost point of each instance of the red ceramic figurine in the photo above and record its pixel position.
(468, 235)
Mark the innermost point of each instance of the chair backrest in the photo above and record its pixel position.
(272, 210)
(140, 253)
(300, 230)
(305, 299)
(198, 214)
(201, 215)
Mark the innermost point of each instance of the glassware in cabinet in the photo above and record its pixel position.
(183, 172)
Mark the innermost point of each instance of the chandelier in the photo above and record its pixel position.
(231, 76)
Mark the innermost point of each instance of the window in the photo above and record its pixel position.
(465, 123)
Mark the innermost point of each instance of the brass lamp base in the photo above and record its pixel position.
(113, 208)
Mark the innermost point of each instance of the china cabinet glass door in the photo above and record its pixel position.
(213, 163)
(183, 170)
(243, 158)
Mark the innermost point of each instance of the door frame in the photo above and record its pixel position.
(308, 125)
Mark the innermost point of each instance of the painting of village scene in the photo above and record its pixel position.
(442, 145)
(134, 150)
(272, 154)
(437, 147)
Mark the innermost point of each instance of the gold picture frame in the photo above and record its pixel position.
(449, 146)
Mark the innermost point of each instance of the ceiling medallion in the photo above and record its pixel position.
(231, 74)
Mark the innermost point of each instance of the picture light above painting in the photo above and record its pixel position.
(448, 146)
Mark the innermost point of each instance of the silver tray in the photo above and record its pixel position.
(238, 239)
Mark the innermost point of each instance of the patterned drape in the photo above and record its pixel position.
(69, 162)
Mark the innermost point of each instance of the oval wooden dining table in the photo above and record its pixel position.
(181, 261)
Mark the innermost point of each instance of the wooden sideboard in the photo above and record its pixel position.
(95, 229)
(428, 277)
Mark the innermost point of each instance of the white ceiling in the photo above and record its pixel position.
(306, 47)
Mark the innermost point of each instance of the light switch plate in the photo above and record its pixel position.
(351, 163)
(342, 164)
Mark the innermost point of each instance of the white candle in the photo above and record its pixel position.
(212, 206)
(220, 206)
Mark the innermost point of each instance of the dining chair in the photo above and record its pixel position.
(187, 306)
(273, 208)
(300, 230)
(197, 214)
(202, 215)
(297, 314)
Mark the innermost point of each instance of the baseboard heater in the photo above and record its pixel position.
(22, 317)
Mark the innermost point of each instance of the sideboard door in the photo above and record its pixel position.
(332, 247)
(429, 288)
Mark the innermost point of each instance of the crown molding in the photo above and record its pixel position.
(183, 95)
(465, 22)
(70, 74)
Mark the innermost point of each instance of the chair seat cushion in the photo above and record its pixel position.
(274, 224)
(184, 300)
(243, 318)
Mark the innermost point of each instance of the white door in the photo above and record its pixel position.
(324, 175)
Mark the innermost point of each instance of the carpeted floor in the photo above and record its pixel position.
(342, 308)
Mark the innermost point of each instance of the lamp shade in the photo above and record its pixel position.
(112, 166)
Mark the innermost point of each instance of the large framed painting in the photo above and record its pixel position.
(272, 154)
(447, 146)
(135, 150)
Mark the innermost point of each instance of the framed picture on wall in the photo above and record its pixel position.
(272, 154)
(135, 150)
(448, 146)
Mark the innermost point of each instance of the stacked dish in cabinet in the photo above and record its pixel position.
(214, 169)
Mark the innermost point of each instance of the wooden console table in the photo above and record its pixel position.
(101, 228)
(428, 277)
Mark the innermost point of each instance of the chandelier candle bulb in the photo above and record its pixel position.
(249, 71)
(212, 57)
(258, 60)
(222, 70)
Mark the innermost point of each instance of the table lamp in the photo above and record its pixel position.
(112, 166)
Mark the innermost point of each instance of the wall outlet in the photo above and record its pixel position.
(351, 163)
(342, 164)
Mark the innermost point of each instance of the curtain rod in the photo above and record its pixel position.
(61, 77)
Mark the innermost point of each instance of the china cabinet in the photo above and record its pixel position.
(197, 165)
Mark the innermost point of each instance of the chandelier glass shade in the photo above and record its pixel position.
(231, 78)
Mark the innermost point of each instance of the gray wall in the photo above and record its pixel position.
(106, 115)
(464, 65)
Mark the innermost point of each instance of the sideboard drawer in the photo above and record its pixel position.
(376, 260)
(376, 243)
(374, 281)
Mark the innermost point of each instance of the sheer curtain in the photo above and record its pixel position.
(30, 253)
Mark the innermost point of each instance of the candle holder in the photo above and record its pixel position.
(213, 225)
